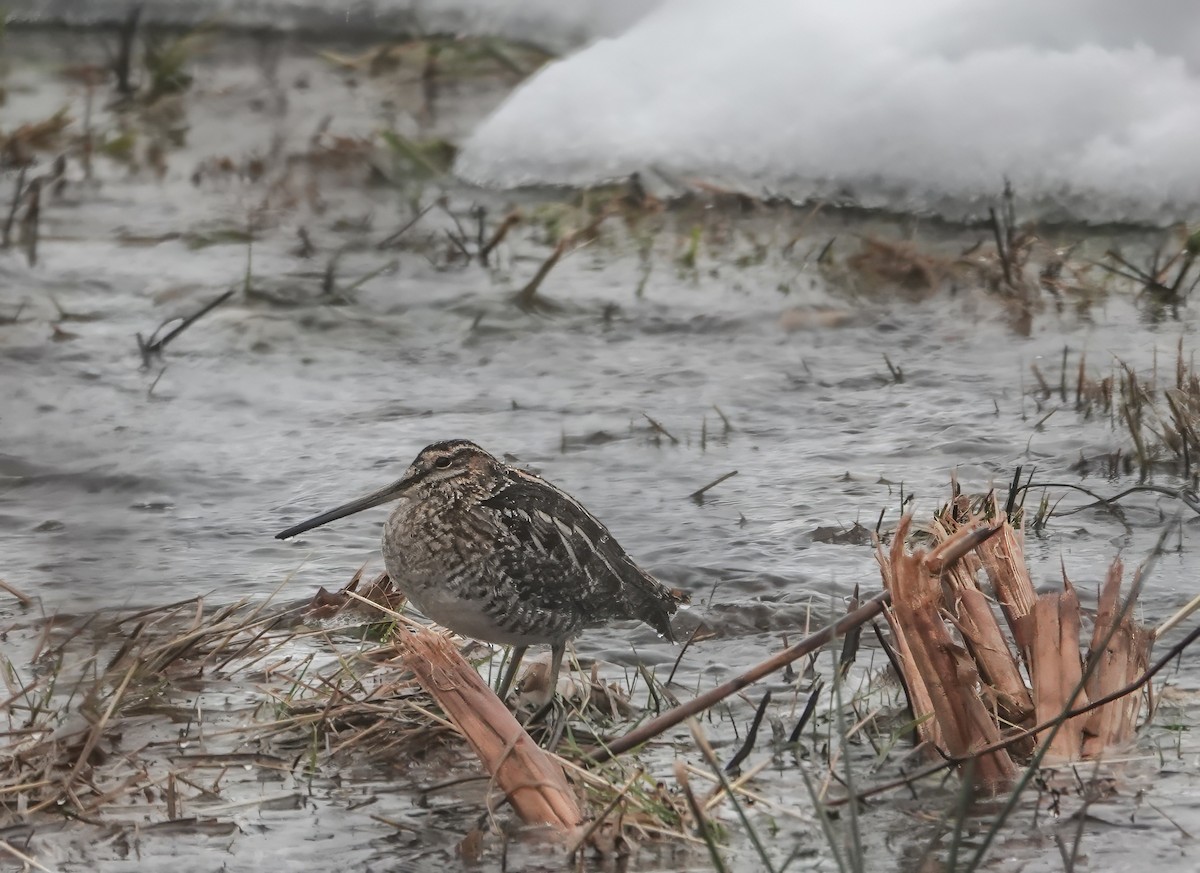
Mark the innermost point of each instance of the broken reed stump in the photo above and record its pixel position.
(532, 781)
(1051, 637)
(1122, 650)
(932, 660)
(973, 683)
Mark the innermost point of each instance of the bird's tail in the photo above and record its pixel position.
(661, 604)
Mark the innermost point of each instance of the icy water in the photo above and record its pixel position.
(123, 485)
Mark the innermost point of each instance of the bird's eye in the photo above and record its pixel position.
(442, 463)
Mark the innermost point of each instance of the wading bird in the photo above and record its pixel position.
(501, 555)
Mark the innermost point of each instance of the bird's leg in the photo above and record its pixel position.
(551, 703)
(556, 658)
(510, 672)
(544, 705)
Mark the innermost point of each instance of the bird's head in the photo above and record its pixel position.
(450, 470)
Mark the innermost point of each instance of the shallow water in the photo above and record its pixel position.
(128, 486)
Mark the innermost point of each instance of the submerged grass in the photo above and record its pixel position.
(1156, 411)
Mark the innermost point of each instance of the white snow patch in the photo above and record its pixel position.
(1090, 107)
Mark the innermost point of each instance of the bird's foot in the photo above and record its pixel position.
(547, 723)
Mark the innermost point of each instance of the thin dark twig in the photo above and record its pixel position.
(851, 640)
(123, 62)
(682, 651)
(12, 209)
(698, 494)
(1010, 504)
(660, 429)
(1142, 276)
(389, 241)
(1184, 269)
(155, 346)
(889, 650)
(1180, 494)
(479, 213)
(486, 248)
(29, 224)
(751, 735)
(154, 384)
(1114, 271)
(462, 234)
(809, 709)
(527, 296)
(1001, 249)
(724, 419)
(462, 246)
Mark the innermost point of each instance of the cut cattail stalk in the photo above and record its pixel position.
(919, 700)
(531, 780)
(945, 668)
(1120, 660)
(1055, 669)
(1003, 558)
(971, 682)
(975, 621)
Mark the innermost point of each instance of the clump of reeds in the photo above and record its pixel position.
(991, 680)
(1011, 260)
(1160, 416)
(19, 147)
(17, 150)
(1167, 279)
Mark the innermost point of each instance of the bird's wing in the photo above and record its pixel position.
(550, 534)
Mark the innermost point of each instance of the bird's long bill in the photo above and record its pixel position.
(383, 495)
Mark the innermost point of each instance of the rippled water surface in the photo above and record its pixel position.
(124, 485)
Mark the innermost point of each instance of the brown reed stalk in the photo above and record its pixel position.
(946, 668)
(963, 669)
(1125, 657)
(531, 780)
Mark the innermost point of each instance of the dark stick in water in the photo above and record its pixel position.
(153, 346)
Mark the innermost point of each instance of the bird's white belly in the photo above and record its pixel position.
(466, 618)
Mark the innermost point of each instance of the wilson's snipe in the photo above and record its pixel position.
(501, 555)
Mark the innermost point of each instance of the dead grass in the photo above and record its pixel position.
(119, 718)
(1158, 412)
(87, 726)
(19, 146)
(434, 57)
